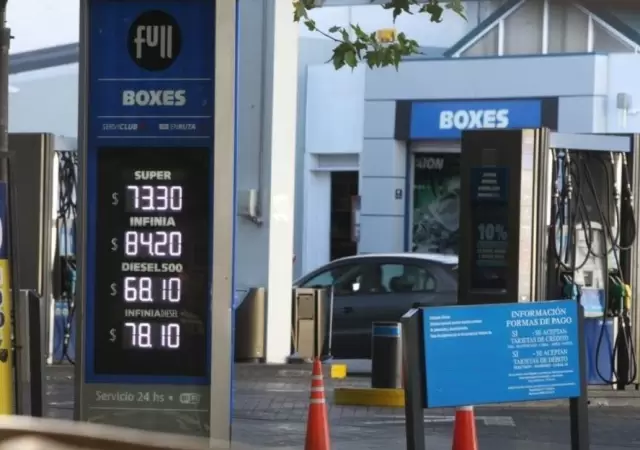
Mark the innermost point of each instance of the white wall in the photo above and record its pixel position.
(622, 77)
(316, 214)
(334, 110)
(313, 51)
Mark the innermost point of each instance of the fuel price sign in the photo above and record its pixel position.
(153, 238)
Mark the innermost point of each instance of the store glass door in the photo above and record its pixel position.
(436, 203)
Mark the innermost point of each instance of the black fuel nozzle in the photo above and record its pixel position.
(568, 183)
(626, 187)
(616, 301)
(570, 289)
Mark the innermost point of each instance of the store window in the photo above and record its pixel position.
(436, 203)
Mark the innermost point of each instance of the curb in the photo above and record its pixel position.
(368, 397)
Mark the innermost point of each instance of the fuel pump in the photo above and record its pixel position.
(585, 227)
(568, 197)
(64, 262)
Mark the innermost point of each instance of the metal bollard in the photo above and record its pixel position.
(386, 355)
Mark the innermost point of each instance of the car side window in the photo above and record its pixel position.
(360, 279)
(402, 278)
(323, 279)
(329, 277)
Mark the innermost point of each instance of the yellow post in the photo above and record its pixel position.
(6, 352)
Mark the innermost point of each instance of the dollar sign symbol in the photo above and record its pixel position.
(114, 289)
(114, 244)
(114, 198)
(112, 332)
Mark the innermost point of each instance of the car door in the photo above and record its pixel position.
(354, 294)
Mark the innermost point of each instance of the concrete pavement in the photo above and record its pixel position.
(271, 406)
(291, 436)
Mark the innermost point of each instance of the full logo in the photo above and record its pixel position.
(154, 41)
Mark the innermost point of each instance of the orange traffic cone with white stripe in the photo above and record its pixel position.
(317, 421)
(464, 429)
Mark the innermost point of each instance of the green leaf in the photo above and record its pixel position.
(299, 11)
(310, 24)
(339, 55)
(373, 59)
(399, 6)
(350, 59)
(334, 29)
(359, 33)
(457, 7)
(434, 9)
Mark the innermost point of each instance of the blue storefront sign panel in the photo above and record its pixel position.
(447, 120)
(501, 353)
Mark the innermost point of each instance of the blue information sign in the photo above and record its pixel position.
(501, 353)
(490, 225)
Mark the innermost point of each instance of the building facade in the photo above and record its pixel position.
(529, 64)
(512, 64)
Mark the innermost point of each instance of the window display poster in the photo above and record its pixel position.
(436, 203)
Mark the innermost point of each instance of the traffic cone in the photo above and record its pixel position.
(464, 429)
(317, 421)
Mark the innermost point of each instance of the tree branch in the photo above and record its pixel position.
(367, 47)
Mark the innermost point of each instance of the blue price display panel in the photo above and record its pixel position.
(501, 353)
(490, 221)
(149, 208)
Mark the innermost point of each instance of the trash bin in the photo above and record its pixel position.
(250, 326)
(386, 355)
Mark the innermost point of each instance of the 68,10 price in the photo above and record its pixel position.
(150, 289)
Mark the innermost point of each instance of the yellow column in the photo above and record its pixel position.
(6, 353)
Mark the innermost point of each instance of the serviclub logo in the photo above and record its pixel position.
(474, 119)
(154, 40)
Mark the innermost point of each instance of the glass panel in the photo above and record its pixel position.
(567, 29)
(350, 279)
(402, 278)
(436, 203)
(326, 279)
(605, 42)
(486, 46)
(523, 30)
